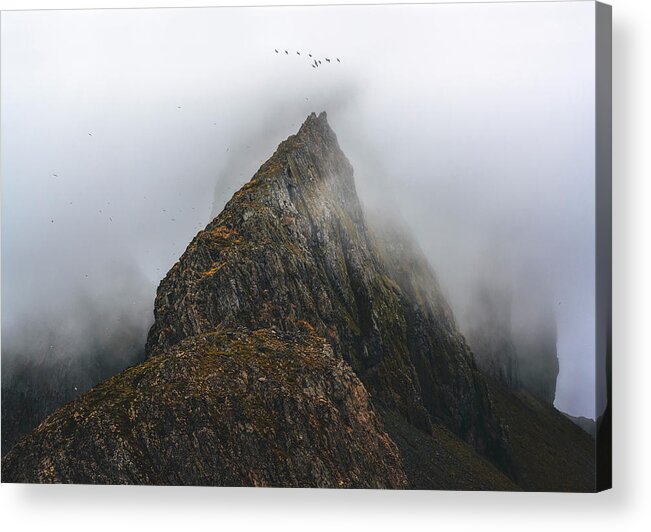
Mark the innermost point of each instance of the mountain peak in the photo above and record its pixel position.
(314, 121)
(316, 130)
(310, 161)
(292, 250)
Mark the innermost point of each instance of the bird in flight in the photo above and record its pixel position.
(90, 134)
(55, 175)
(314, 62)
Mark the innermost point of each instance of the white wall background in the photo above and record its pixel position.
(626, 507)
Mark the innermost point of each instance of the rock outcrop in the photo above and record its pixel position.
(229, 408)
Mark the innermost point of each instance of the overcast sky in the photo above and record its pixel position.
(475, 121)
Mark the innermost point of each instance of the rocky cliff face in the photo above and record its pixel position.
(292, 247)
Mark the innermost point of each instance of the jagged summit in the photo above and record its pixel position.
(288, 203)
(316, 122)
(317, 130)
(314, 143)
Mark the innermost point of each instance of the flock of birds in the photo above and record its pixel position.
(315, 62)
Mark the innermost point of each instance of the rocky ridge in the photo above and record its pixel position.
(293, 247)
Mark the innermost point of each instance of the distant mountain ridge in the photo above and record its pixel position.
(523, 356)
(587, 424)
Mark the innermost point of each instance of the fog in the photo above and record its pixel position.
(474, 122)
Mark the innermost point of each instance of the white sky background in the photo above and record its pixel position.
(475, 121)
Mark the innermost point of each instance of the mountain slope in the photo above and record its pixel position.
(230, 408)
(549, 452)
(585, 423)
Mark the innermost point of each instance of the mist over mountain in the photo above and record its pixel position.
(69, 342)
(145, 125)
(512, 331)
(296, 344)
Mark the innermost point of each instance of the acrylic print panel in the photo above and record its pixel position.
(285, 247)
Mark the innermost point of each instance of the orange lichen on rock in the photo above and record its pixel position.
(222, 231)
(306, 325)
(222, 236)
(212, 271)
